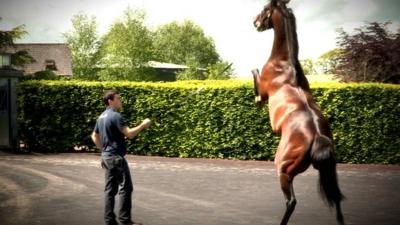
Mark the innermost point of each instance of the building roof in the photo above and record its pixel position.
(162, 65)
(44, 54)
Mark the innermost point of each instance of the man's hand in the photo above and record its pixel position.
(146, 123)
(132, 132)
(96, 140)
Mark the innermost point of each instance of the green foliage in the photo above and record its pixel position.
(127, 48)
(53, 114)
(179, 42)
(21, 57)
(8, 38)
(219, 120)
(42, 75)
(363, 118)
(45, 75)
(125, 51)
(84, 43)
(194, 72)
(329, 61)
(185, 43)
(221, 70)
(308, 66)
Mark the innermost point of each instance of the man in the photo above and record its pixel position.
(109, 136)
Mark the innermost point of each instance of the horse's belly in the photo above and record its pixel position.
(279, 113)
(282, 104)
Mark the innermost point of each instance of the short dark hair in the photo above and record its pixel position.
(109, 95)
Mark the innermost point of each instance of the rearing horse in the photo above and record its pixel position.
(294, 115)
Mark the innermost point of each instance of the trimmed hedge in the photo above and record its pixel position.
(219, 120)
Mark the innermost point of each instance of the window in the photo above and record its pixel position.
(5, 60)
(51, 64)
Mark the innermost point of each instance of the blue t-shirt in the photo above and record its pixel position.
(109, 126)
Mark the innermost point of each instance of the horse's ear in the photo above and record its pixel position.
(282, 3)
(279, 2)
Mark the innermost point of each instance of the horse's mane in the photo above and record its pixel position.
(293, 45)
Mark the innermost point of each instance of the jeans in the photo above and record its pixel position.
(117, 177)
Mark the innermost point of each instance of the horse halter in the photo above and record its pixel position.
(263, 20)
(269, 15)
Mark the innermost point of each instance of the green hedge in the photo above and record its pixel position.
(220, 121)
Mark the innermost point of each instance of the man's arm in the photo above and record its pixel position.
(132, 132)
(96, 140)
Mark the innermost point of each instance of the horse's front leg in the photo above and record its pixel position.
(258, 97)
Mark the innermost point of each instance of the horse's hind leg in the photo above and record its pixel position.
(339, 215)
(287, 189)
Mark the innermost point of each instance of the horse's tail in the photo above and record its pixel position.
(324, 161)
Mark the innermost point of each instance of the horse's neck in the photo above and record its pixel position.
(280, 49)
(285, 49)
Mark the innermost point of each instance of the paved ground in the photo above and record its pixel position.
(67, 189)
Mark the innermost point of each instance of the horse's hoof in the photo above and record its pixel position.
(258, 101)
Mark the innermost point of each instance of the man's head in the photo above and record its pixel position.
(113, 99)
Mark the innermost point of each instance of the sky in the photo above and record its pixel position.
(228, 22)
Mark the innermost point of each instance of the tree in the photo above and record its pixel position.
(185, 43)
(308, 66)
(194, 72)
(127, 48)
(371, 54)
(179, 42)
(84, 43)
(7, 40)
(221, 70)
(329, 61)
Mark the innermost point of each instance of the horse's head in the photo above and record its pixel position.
(265, 20)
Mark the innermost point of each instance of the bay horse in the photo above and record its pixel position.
(306, 137)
